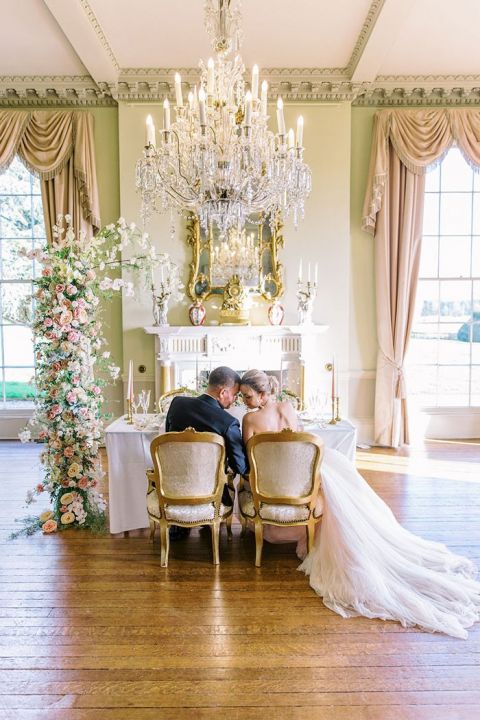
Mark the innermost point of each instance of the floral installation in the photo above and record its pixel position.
(169, 288)
(72, 366)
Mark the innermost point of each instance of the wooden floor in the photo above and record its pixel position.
(93, 628)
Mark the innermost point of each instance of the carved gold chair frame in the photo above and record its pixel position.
(201, 284)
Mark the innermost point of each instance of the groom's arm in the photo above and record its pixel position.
(235, 449)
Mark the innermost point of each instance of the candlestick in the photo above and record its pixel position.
(150, 131)
(178, 90)
(337, 409)
(129, 417)
(333, 420)
(255, 82)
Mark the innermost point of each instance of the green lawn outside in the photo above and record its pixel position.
(19, 391)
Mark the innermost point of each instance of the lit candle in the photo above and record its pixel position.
(210, 76)
(300, 131)
(300, 271)
(316, 273)
(150, 131)
(255, 82)
(201, 106)
(248, 109)
(130, 381)
(166, 114)
(190, 100)
(291, 139)
(280, 118)
(178, 90)
(264, 98)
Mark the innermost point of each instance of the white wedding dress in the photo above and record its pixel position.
(365, 563)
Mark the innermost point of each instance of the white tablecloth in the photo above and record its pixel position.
(128, 453)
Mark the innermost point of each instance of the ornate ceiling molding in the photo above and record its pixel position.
(373, 13)
(92, 18)
(58, 90)
(414, 90)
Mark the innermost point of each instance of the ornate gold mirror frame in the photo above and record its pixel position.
(270, 271)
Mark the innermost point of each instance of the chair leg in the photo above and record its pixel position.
(164, 543)
(215, 541)
(228, 523)
(258, 542)
(152, 531)
(243, 522)
(310, 535)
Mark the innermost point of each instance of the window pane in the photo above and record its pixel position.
(475, 399)
(476, 214)
(429, 257)
(19, 385)
(452, 350)
(432, 180)
(18, 345)
(431, 215)
(15, 303)
(423, 347)
(17, 180)
(455, 299)
(454, 256)
(453, 386)
(17, 218)
(456, 214)
(456, 174)
(13, 265)
(422, 384)
(38, 221)
(426, 306)
(476, 256)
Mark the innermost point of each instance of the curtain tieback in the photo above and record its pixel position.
(400, 390)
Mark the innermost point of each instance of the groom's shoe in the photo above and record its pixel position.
(178, 533)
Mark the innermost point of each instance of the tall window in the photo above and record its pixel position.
(444, 354)
(21, 225)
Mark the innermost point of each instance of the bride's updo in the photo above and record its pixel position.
(261, 382)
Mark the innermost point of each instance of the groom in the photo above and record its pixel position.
(207, 413)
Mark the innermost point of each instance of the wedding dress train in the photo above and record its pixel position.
(365, 563)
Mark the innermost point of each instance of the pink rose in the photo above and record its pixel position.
(71, 397)
(46, 272)
(96, 390)
(71, 290)
(56, 410)
(59, 288)
(76, 380)
(48, 322)
(42, 435)
(90, 275)
(40, 488)
(82, 483)
(81, 303)
(73, 336)
(65, 318)
(69, 452)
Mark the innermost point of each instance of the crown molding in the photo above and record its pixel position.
(97, 28)
(373, 13)
(56, 90)
(414, 90)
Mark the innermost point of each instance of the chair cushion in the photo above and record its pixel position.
(185, 513)
(276, 513)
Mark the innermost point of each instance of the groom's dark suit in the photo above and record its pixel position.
(205, 414)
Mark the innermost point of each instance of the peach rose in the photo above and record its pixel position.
(66, 499)
(49, 527)
(69, 452)
(67, 518)
(65, 318)
(40, 489)
(82, 483)
(46, 515)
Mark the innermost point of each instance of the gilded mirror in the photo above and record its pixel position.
(251, 254)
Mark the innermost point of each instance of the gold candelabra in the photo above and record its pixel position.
(129, 415)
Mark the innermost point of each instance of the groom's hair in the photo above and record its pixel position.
(223, 377)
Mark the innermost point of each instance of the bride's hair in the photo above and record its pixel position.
(261, 382)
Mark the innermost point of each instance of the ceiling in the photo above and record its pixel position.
(309, 49)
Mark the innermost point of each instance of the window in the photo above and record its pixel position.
(444, 354)
(21, 225)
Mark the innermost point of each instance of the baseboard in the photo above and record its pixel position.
(365, 429)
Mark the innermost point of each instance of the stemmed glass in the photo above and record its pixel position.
(145, 401)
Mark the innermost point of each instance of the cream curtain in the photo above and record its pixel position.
(58, 147)
(405, 143)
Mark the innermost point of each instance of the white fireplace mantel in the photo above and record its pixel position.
(184, 351)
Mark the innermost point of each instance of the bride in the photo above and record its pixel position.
(363, 561)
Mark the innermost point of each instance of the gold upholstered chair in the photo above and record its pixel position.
(186, 484)
(283, 483)
(165, 399)
(292, 398)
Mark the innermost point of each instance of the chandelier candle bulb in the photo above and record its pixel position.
(210, 77)
(300, 271)
(248, 109)
(178, 91)
(300, 131)
(264, 98)
(201, 107)
(150, 131)
(280, 118)
(255, 82)
(190, 101)
(291, 139)
(308, 273)
(166, 115)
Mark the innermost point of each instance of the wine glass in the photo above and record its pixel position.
(145, 401)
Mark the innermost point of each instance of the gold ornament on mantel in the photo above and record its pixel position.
(234, 310)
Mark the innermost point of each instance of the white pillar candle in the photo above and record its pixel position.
(248, 109)
(264, 97)
(201, 107)
(150, 131)
(166, 114)
(210, 77)
(300, 131)
(280, 118)
(255, 82)
(291, 139)
(178, 90)
(130, 381)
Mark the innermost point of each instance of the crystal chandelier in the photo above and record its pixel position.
(237, 252)
(219, 159)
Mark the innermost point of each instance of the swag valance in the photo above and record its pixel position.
(58, 147)
(420, 138)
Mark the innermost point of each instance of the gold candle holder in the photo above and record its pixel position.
(337, 409)
(129, 415)
(333, 421)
